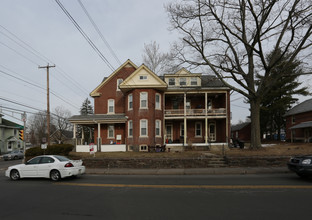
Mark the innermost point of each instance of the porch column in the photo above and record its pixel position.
(74, 134)
(82, 135)
(185, 127)
(206, 119)
(99, 142)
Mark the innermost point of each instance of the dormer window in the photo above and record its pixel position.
(171, 81)
(193, 81)
(143, 77)
(182, 81)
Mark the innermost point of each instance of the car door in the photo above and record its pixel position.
(45, 165)
(31, 167)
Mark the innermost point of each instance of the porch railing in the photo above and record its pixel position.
(195, 112)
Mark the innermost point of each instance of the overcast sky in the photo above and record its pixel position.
(37, 32)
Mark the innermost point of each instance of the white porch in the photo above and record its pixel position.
(104, 148)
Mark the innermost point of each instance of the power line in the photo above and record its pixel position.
(40, 87)
(99, 32)
(85, 36)
(36, 53)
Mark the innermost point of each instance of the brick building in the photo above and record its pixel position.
(134, 109)
(299, 122)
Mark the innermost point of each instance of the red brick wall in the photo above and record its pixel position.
(299, 118)
(151, 114)
(109, 91)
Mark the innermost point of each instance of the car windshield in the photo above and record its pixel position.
(61, 158)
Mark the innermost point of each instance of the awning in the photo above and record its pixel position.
(307, 124)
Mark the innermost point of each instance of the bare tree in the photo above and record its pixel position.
(61, 123)
(158, 61)
(233, 37)
(37, 127)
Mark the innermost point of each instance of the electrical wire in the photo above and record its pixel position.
(99, 32)
(109, 65)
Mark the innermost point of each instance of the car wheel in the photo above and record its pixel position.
(55, 175)
(15, 158)
(14, 175)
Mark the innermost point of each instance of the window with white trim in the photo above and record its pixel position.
(111, 106)
(143, 100)
(130, 128)
(130, 101)
(143, 77)
(182, 81)
(157, 101)
(198, 129)
(171, 81)
(181, 129)
(110, 131)
(143, 128)
(194, 81)
(158, 128)
(119, 81)
(143, 148)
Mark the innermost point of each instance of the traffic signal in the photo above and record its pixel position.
(21, 135)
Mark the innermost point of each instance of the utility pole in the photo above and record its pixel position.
(48, 100)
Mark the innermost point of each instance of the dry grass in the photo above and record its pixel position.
(275, 149)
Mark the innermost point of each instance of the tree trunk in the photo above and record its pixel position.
(255, 142)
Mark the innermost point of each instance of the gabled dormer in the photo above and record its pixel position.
(183, 78)
(143, 77)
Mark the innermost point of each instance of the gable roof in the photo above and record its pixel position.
(151, 81)
(239, 126)
(305, 106)
(10, 124)
(95, 92)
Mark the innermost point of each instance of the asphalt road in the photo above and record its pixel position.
(282, 196)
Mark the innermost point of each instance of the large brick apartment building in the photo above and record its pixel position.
(135, 109)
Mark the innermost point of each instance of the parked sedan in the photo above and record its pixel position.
(14, 155)
(54, 167)
(301, 165)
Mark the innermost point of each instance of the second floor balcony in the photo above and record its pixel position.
(220, 112)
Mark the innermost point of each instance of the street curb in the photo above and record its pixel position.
(189, 171)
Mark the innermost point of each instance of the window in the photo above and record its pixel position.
(143, 77)
(194, 81)
(209, 104)
(198, 129)
(157, 128)
(130, 128)
(157, 101)
(110, 131)
(111, 106)
(143, 148)
(143, 100)
(143, 128)
(175, 104)
(293, 119)
(119, 81)
(171, 81)
(130, 102)
(182, 129)
(182, 81)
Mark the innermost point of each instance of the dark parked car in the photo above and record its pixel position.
(301, 165)
(14, 155)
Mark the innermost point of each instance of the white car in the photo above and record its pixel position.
(46, 166)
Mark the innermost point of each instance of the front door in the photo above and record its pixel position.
(169, 133)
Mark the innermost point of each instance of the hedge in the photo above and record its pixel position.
(58, 149)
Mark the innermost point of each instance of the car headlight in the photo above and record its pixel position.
(306, 161)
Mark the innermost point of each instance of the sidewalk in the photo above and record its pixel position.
(189, 171)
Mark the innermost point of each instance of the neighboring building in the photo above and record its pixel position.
(9, 136)
(135, 109)
(241, 132)
(299, 122)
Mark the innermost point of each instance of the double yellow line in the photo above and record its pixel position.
(189, 186)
